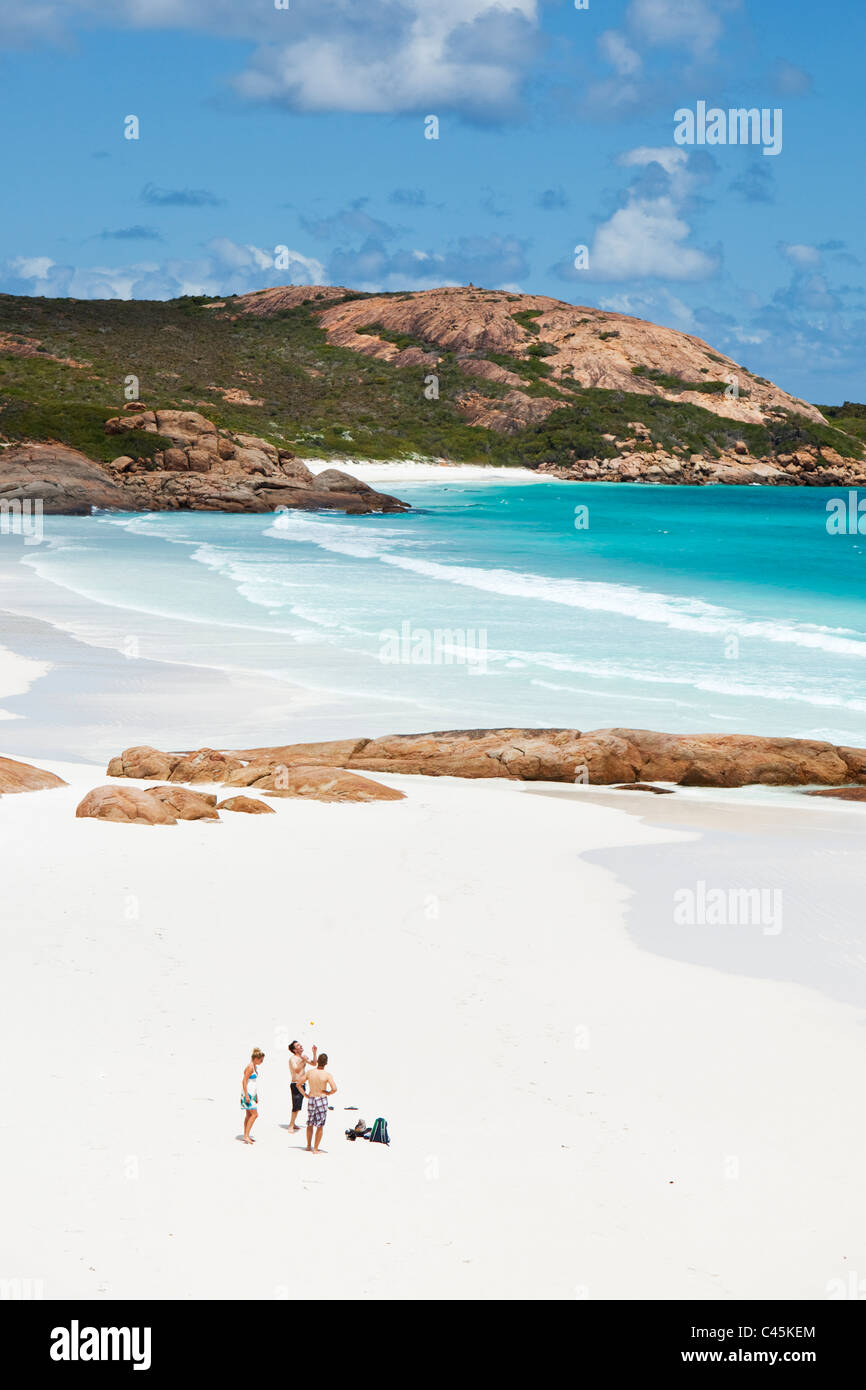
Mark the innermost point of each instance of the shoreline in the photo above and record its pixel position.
(305, 608)
(18, 673)
(85, 693)
(63, 671)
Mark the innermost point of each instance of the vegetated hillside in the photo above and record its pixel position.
(327, 371)
(850, 417)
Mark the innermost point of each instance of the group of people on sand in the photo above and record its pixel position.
(309, 1080)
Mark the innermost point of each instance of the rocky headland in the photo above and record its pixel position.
(198, 468)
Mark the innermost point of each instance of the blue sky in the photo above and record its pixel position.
(304, 128)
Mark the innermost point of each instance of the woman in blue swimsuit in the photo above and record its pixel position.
(249, 1094)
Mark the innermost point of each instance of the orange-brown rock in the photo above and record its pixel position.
(186, 804)
(236, 395)
(547, 755)
(129, 805)
(600, 757)
(143, 761)
(513, 412)
(841, 793)
(855, 761)
(205, 765)
(642, 787)
(325, 784)
(275, 301)
(335, 480)
(20, 345)
(415, 357)
(733, 760)
(249, 804)
(251, 772)
(199, 460)
(21, 777)
(64, 481)
(489, 371)
(333, 753)
(175, 460)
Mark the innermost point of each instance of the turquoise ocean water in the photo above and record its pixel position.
(499, 603)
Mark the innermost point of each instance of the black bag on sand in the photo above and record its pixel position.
(379, 1133)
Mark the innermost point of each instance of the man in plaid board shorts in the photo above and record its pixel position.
(321, 1088)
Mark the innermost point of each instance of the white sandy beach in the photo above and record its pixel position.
(384, 473)
(571, 1117)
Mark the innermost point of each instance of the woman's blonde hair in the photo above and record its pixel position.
(257, 1052)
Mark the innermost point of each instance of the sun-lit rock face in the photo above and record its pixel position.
(591, 347)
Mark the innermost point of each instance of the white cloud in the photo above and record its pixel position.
(469, 55)
(495, 261)
(615, 47)
(648, 238)
(801, 254)
(659, 306)
(32, 267)
(24, 25)
(668, 156)
(695, 25)
(688, 28)
(337, 55)
(226, 268)
(674, 161)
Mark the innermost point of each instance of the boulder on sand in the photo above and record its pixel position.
(246, 803)
(605, 756)
(186, 804)
(325, 784)
(642, 787)
(143, 761)
(21, 777)
(252, 772)
(129, 805)
(332, 753)
(204, 765)
(148, 805)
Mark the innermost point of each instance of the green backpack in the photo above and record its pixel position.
(379, 1133)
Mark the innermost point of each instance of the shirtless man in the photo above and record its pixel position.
(298, 1064)
(321, 1084)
